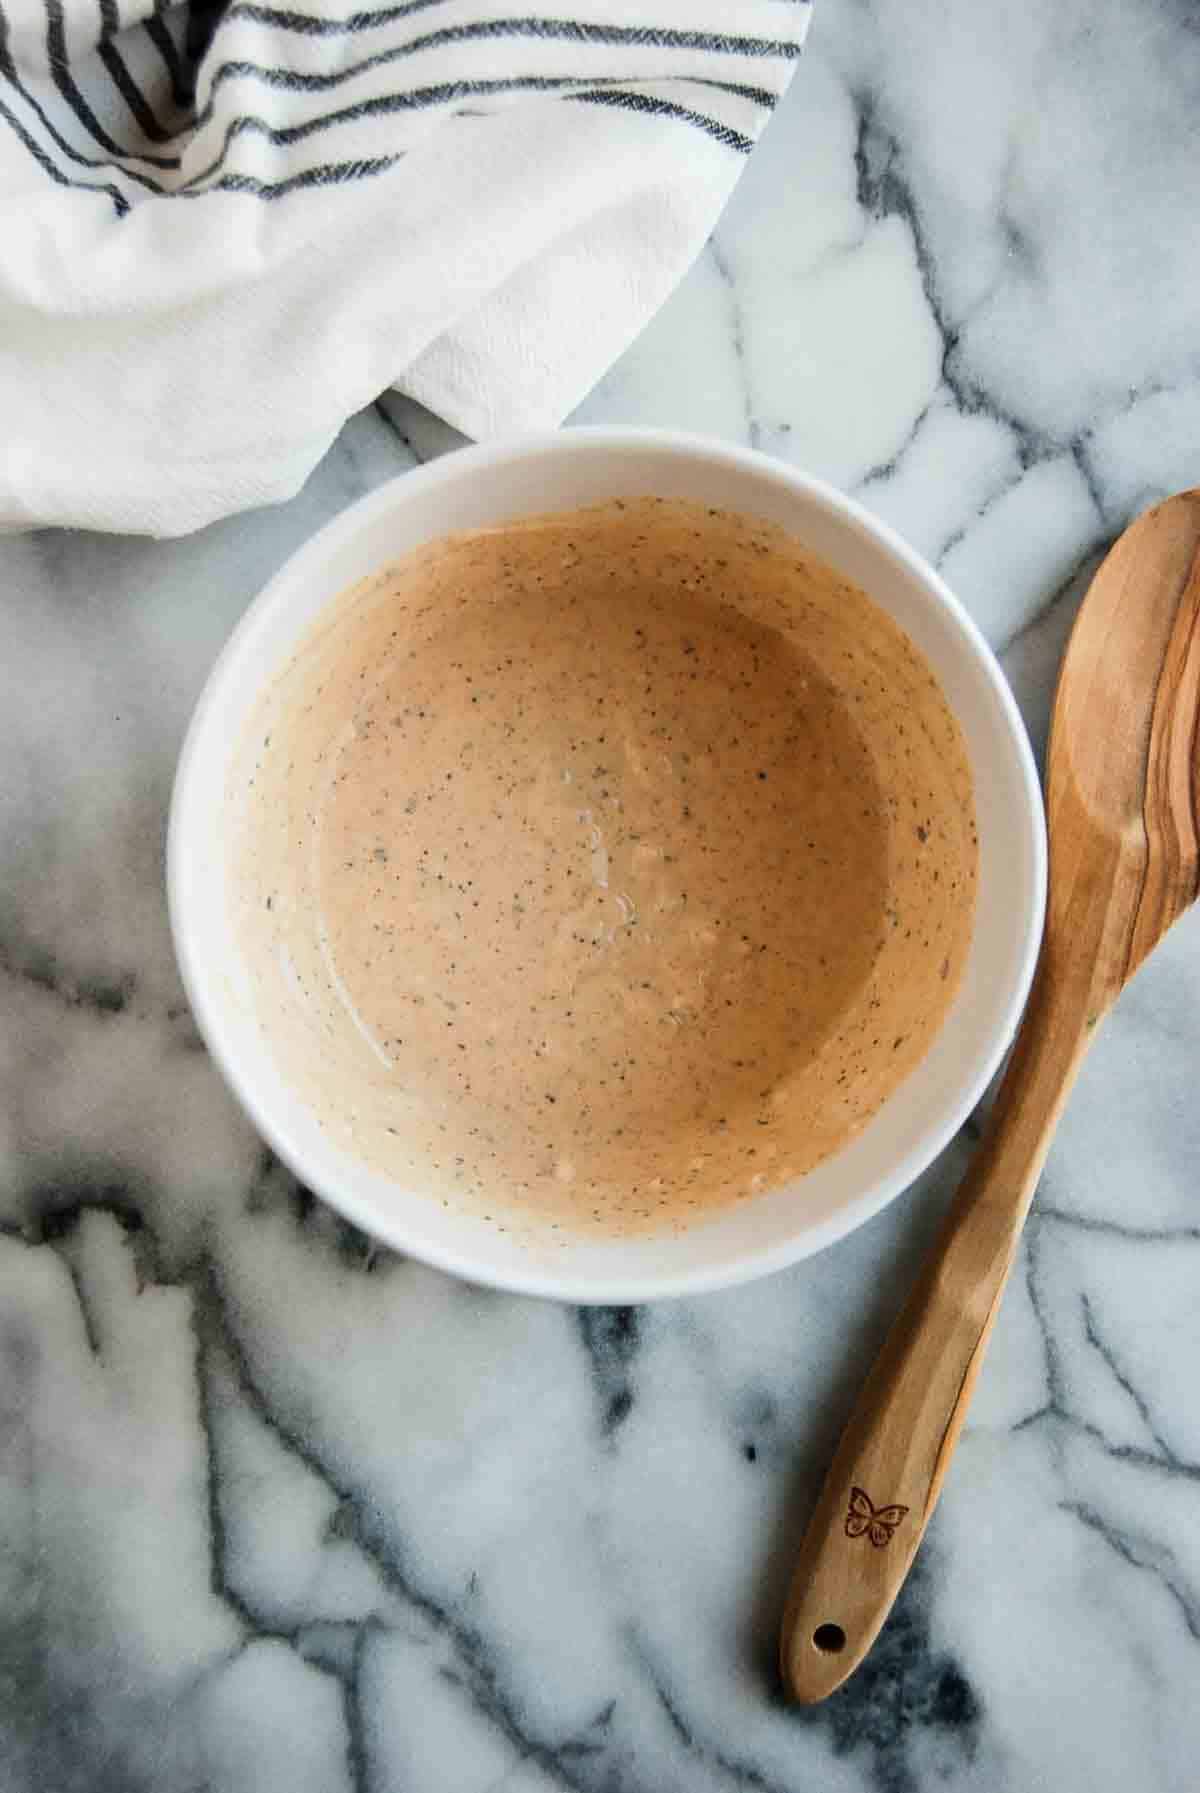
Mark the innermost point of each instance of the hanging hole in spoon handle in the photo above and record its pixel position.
(843, 1589)
(853, 1562)
(885, 1479)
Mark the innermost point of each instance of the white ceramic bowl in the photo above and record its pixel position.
(491, 484)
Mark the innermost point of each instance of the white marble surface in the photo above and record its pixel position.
(281, 1512)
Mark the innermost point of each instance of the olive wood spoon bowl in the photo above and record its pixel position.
(1123, 809)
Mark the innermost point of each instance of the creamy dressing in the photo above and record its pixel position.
(604, 869)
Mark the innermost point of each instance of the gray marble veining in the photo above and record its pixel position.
(279, 1510)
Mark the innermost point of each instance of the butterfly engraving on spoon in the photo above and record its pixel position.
(878, 1523)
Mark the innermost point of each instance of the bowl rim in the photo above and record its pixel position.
(582, 1288)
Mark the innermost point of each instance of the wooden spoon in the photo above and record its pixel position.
(1123, 804)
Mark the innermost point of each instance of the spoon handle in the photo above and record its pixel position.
(887, 1474)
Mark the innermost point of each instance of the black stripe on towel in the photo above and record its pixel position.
(183, 79)
(420, 98)
(409, 100)
(56, 49)
(553, 30)
(284, 19)
(8, 69)
(120, 203)
(655, 37)
(652, 105)
(330, 174)
(131, 93)
(82, 161)
(204, 15)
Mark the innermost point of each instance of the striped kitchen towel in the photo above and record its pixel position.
(225, 225)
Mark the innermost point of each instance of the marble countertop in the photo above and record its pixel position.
(281, 1511)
